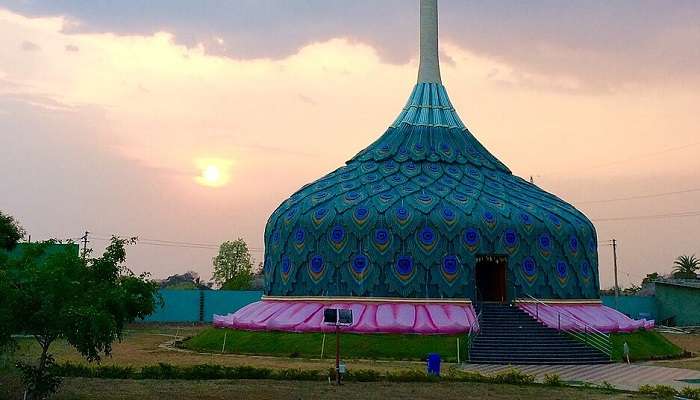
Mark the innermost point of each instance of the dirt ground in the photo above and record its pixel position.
(142, 347)
(145, 346)
(689, 343)
(80, 388)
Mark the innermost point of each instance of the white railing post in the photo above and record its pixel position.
(559, 322)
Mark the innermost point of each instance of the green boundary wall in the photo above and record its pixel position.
(681, 303)
(200, 305)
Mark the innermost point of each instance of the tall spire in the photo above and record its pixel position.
(429, 70)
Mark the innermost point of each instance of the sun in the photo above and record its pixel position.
(213, 173)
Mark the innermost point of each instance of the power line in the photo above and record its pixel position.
(654, 216)
(644, 196)
(646, 155)
(175, 243)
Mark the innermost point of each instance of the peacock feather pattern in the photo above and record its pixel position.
(408, 216)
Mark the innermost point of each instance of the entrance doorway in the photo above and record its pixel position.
(490, 278)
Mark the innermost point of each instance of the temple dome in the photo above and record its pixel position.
(412, 214)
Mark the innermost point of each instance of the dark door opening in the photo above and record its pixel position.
(490, 278)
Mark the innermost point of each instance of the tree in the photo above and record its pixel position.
(10, 232)
(684, 267)
(87, 302)
(190, 280)
(233, 266)
(650, 278)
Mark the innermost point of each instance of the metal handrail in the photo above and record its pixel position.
(473, 334)
(581, 330)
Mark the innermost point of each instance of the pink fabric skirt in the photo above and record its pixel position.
(368, 317)
(580, 316)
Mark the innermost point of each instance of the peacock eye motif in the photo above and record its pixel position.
(359, 264)
(317, 264)
(529, 266)
(562, 269)
(337, 234)
(381, 236)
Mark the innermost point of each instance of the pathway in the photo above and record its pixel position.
(622, 376)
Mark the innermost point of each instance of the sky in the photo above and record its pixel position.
(187, 123)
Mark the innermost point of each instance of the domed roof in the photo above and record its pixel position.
(409, 215)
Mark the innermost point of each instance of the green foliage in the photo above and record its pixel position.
(552, 380)
(650, 278)
(240, 282)
(514, 377)
(165, 371)
(297, 375)
(308, 345)
(685, 267)
(233, 266)
(690, 393)
(10, 232)
(85, 301)
(660, 391)
(38, 380)
(362, 375)
(644, 345)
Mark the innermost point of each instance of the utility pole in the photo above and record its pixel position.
(617, 287)
(85, 241)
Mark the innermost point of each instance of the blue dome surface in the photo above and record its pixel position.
(410, 215)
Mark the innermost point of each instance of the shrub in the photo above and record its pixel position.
(203, 371)
(113, 372)
(552, 380)
(454, 374)
(690, 393)
(248, 372)
(160, 371)
(363, 375)
(410, 376)
(39, 381)
(661, 391)
(513, 377)
(605, 385)
(297, 375)
(73, 370)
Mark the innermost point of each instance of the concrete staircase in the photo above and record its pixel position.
(511, 336)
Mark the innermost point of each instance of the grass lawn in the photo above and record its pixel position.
(308, 345)
(644, 345)
(81, 388)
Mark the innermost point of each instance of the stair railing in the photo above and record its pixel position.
(576, 327)
(473, 333)
(476, 328)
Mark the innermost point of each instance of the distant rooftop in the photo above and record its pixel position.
(691, 283)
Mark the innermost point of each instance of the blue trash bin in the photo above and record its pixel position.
(434, 364)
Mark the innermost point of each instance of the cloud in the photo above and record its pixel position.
(72, 48)
(108, 138)
(602, 44)
(29, 46)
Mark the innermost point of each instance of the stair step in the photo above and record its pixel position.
(509, 335)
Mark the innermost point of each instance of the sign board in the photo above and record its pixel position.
(337, 316)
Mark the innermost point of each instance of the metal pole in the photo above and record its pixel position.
(323, 344)
(458, 361)
(617, 287)
(559, 322)
(337, 355)
(223, 347)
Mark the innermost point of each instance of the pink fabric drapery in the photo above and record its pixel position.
(578, 316)
(369, 317)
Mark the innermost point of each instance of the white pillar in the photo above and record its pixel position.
(429, 70)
